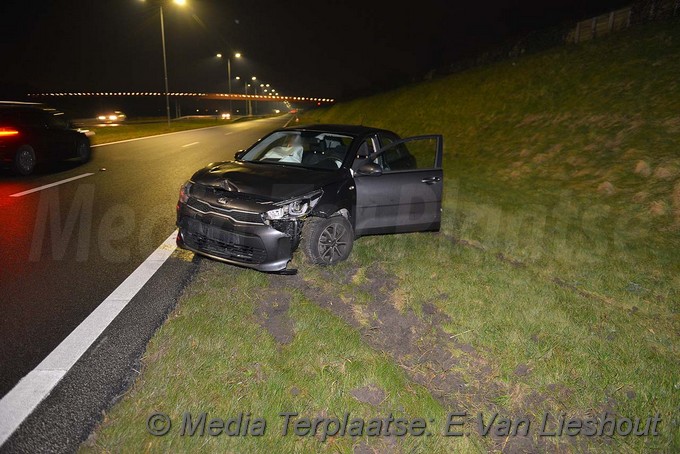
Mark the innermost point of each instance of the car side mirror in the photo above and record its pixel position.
(370, 169)
(239, 154)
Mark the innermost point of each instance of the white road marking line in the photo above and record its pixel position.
(227, 133)
(20, 402)
(190, 144)
(154, 136)
(30, 191)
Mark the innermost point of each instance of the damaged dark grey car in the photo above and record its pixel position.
(315, 188)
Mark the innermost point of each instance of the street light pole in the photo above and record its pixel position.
(229, 75)
(165, 58)
(235, 55)
(255, 94)
(248, 105)
(254, 79)
(165, 68)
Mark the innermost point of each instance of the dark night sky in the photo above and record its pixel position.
(331, 48)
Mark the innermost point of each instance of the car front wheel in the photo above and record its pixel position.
(326, 241)
(24, 160)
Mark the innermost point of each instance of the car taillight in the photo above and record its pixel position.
(8, 132)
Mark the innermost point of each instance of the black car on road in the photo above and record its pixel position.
(33, 133)
(315, 187)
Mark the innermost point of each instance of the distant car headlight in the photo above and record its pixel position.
(185, 191)
(226, 116)
(294, 208)
(113, 117)
(101, 117)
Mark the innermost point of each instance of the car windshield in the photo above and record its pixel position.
(312, 149)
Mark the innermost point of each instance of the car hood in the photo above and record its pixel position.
(274, 182)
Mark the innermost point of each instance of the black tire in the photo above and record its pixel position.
(24, 160)
(83, 151)
(326, 241)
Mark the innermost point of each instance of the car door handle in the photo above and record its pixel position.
(431, 180)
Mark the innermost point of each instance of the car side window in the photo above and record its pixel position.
(410, 155)
(367, 147)
(397, 157)
(33, 119)
(57, 121)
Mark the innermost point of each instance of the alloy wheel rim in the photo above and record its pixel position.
(332, 242)
(26, 160)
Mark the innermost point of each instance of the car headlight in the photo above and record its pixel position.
(185, 191)
(294, 208)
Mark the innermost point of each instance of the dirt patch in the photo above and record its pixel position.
(673, 125)
(514, 262)
(541, 158)
(664, 173)
(472, 243)
(521, 370)
(606, 188)
(657, 208)
(457, 375)
(272, 312)
(433, 314)
(386, 445)
(370, 394)
(640, 197)
(676, 203)
(643, 169)
(584, 293)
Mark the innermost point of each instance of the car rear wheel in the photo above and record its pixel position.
(83, 151)
(24, 160)
(326, 241)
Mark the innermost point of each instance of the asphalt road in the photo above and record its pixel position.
(64, 249)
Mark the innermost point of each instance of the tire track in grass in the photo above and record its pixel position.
(456, 375)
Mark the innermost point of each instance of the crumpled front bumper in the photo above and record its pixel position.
(248, 244)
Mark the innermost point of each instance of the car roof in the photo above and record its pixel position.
(353, 130)
(14, 105)
(21, 104)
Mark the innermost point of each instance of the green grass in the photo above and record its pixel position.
(555, 277)
(567, 163)
(212, 356)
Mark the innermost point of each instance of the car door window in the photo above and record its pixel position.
(412, 155)
(57, 121)
(367, 147)
(33, 119)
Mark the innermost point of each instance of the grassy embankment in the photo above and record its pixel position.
(553, 285)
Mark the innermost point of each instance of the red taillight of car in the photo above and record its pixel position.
(8, 132)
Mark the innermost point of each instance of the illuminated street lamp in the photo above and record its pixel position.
(165, 60)
(245, 91)
(236, 55)
(249, 107)
(248, 103)
(255, 93)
